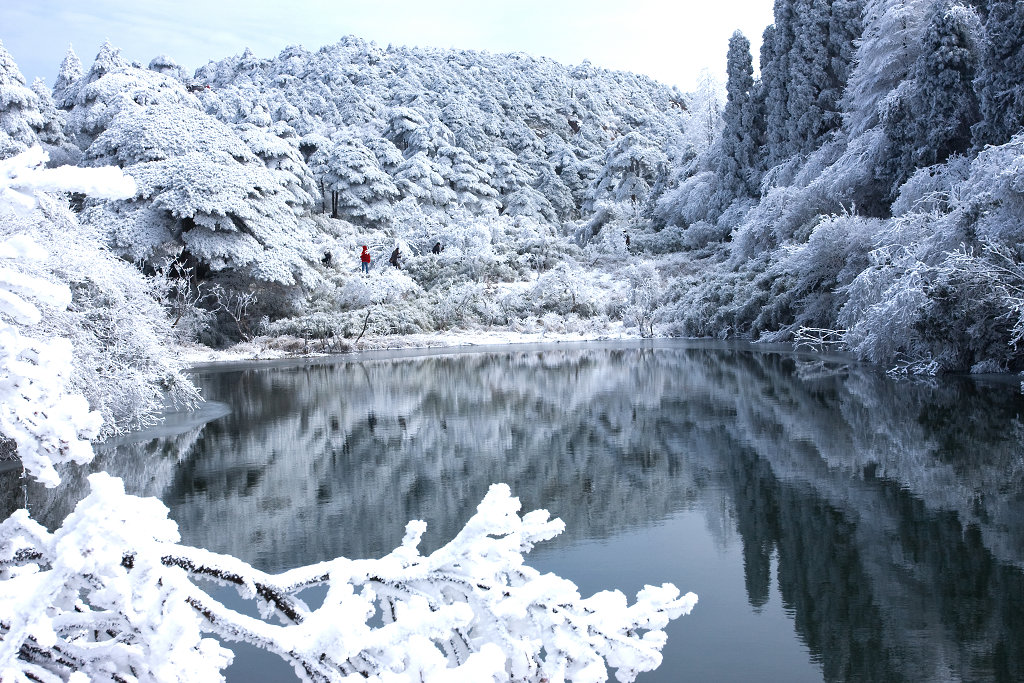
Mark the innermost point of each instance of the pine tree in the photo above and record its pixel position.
(945, 80)
(19, 109)
(928, 117)
(51, 125)
(776, 76)
(65, 90)
(360, 189)
(1000, 82)
(740, 139)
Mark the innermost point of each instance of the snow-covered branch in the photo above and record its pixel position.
(114, 596)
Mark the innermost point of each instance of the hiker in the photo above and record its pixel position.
(326, 260)
(394, 258)
(364, 259)
(437, 248)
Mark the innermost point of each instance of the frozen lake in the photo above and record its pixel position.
(836, 525)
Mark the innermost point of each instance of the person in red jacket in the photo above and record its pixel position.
(364, 259)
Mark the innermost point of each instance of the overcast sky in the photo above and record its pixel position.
(670, 40)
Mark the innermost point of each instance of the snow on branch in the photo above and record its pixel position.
(47, 422)
(23, 176)
(114, 596)
(819, 339)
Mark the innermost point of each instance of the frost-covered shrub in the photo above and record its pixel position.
(459, 305)
(666, 240)
(700, 234)
(564, 290)
(931, 189)
(383, 285)
(808, 279)
(785, 214)
(717, 301)
(443, 270)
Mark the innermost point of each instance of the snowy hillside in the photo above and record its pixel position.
(863, 188)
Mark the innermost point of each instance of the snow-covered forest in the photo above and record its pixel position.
(861, 190)
(864, 190)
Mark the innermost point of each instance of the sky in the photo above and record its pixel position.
(669, 40)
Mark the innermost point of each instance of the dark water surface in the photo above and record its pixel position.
(836, 525)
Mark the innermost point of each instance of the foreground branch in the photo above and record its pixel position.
(113, 595)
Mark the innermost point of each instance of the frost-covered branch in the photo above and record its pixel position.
(819, 339)
(114, 596)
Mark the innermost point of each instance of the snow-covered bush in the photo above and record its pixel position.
(564, 290)
(808, 279)
(645, 290)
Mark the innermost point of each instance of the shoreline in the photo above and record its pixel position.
(284, 348)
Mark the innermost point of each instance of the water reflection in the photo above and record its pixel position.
(888, 517)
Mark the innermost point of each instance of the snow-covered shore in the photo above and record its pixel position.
(273, 348)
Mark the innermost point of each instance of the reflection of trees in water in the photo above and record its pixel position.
(897, 533)
(894, 510)
(147, 467)
(357, 449)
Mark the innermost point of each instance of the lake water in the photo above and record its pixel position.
(837, 525)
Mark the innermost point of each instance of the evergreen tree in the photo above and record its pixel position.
(740, 139)
(776, 76)
(165, 65)
(51, 127)
(819, 67)
(19, 109)
(929, 117)
(360, 189)
(65, 90)
(807, 121)
(945, 80)
(631, 166)
(889, 47)
(1000, 82)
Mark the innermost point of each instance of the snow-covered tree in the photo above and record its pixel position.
(112, 86)
(51, 133)
(705, 107)
(360, 189)
(19, 109)
(470, 178)
(1000, 82)
(775, 75)
(630, 168)
(418, 177)
(65, 90)
(48, 421)
(742, 135)
(165, 65)
(929, 117)
(889, 46)
(947, 105)
(201, 188)
(114, 320)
